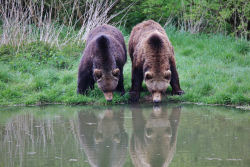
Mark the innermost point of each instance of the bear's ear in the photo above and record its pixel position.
(167, 75)
(148, 75)
(116, 72)
(97, 73)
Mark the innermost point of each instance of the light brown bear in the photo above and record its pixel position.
(153, 60)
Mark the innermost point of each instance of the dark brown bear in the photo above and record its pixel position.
(102, 62)
(153, 60)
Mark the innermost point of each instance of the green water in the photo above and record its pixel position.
(173, 135)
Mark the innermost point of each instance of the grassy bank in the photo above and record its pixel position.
(213, 69)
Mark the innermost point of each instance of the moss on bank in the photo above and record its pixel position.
(213, 69)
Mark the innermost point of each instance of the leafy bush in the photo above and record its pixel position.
(6, 52)
(229, 16)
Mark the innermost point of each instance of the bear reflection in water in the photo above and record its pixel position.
(153, 140)
(103, 138)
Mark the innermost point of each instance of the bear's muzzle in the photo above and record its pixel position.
(108, 96)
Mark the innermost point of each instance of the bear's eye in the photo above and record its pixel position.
(148, 75)
(167, 75)
(98, 73)
(116, 72)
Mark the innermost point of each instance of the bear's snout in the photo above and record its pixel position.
(108, 96)
(156, 97)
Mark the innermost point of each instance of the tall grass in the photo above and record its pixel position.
(31, 21)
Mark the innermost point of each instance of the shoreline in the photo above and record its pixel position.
(144, 101)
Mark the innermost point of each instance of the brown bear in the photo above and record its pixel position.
(102, 62)
(153, 60)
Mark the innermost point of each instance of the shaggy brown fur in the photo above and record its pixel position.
(102, 62)
(152, 57)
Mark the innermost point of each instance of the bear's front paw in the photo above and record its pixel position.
(179, 92)
(122, 93)
(134, 96)
(81, 91)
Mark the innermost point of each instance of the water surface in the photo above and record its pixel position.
(171, 135)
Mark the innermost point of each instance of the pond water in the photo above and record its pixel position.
(174, 135)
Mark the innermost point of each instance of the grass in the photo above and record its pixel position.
(213, 69)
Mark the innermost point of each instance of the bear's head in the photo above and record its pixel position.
(157, 83)
(107, 81)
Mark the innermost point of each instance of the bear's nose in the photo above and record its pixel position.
(156, 101)
(108, 96)
(157, 97)
(109, 100)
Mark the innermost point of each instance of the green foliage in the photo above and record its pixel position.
(6, 52)
(243, 47)
(5, 77)
(42, 53)
(229, 16)
(149, 9)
